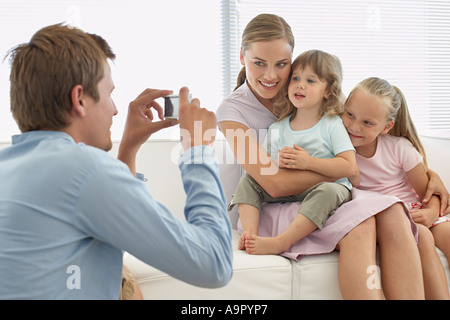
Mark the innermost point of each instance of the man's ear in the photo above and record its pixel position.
(78, 103)
(388, 127)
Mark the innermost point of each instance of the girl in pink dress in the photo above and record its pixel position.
(392, 161)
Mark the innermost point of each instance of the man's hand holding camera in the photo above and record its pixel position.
(139, 125)
(197, 125)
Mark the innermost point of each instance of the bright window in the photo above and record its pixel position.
(171, 43)
(406, 42)
(159, 44)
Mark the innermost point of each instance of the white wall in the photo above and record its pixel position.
(438, 155)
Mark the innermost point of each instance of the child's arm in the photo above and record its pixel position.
(429, 214)
(355, 179)
(341, 166)
(419, 180)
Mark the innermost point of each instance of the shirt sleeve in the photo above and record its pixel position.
(407, 155)
(340, 139)
(230, 111)
(116, 208)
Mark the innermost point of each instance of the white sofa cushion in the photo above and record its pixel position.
(316, 277)
(254, 277)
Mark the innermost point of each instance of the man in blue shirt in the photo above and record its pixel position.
(68, 210)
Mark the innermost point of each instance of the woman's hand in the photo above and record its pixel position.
(437, 187)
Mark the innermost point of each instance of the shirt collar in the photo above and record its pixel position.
(40, 135)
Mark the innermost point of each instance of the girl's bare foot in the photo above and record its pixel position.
(241, 243)
(263, 245)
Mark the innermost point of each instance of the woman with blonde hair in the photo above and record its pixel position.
(310, 118)
(244, 117)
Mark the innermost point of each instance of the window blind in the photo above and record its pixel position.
(403, 41)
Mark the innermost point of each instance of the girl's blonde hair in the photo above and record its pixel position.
(264, 27)
(397, 110)
(329, 69)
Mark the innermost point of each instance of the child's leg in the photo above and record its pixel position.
(249, 216)
(298, 229)
(401, 270)
(248, 197)
(434, 278)
(319, 202)
(441, 234)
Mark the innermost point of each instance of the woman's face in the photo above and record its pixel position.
(267, 64)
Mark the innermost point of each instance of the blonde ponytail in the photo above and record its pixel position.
(404, 126)
(241, 78)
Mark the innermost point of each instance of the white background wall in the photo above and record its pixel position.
(438, 155)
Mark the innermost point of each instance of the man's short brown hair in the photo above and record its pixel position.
(45, 70)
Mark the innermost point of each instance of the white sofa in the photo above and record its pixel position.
(256, 277)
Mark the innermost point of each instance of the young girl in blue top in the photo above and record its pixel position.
(308, 136)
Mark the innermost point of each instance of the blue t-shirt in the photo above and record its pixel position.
(324, 140)
(68, 211)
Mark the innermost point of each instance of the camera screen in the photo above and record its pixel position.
(171, 105)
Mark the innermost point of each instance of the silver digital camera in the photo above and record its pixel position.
(172, 105)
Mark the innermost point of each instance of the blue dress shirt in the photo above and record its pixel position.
(68, 211)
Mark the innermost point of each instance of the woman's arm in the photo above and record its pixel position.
(437, 187)
(259, 165)
(419, 180)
